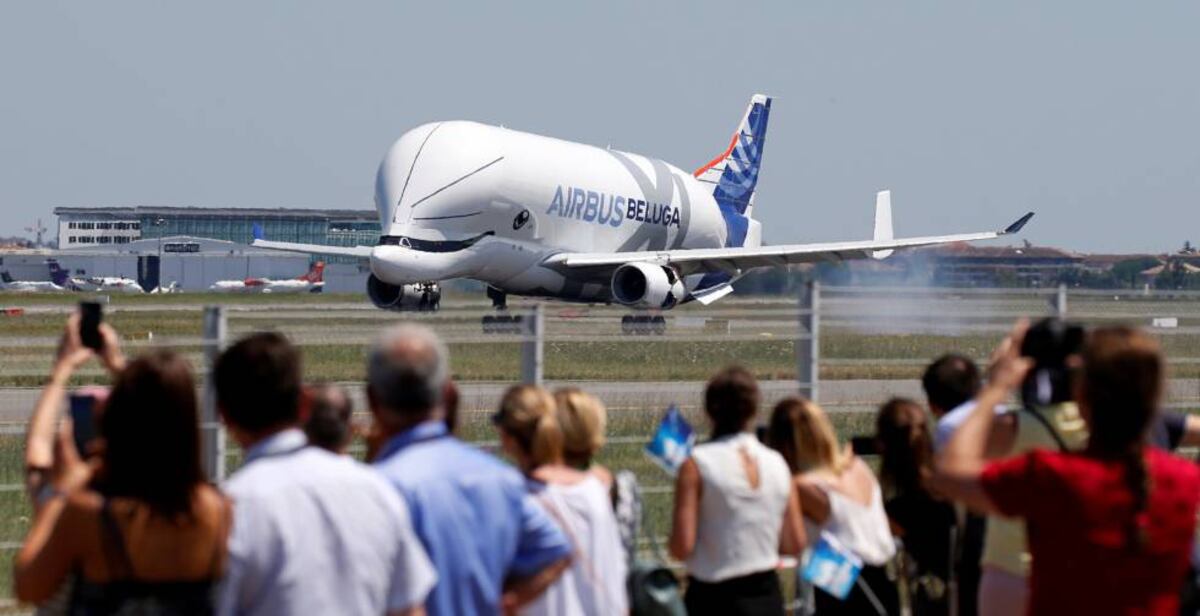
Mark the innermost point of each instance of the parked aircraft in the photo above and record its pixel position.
(95, 284)
(54, 285)
(311, 282)
(541, 217)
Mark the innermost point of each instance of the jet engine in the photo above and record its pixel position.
(421, 297)
(642, 285)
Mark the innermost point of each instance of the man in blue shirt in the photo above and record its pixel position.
(493, 546)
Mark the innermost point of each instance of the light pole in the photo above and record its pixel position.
(159, 222)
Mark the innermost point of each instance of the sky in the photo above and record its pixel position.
(971, 112)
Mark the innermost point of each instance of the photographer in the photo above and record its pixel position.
(1109, 527)
(137, 527)
(1047, 419)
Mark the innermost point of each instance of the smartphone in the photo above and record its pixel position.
(90, 316)
(83, 420)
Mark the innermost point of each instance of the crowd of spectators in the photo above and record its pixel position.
(1044, 484)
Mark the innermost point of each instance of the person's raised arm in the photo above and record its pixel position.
(961, 463)
(41, 433)
(49, 551)
(685, 517)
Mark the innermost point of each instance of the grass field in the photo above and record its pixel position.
(876, 337)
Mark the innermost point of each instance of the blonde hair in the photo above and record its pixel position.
(583, 421)
(527, 413)
(802, 433)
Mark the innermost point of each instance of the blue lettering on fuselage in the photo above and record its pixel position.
(611, 210)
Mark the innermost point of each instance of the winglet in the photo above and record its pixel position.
(883, 222)
(256, 231)
(1017, 226)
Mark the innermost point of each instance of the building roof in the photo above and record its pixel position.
(172, 245)
(962, 249)
(147, 211)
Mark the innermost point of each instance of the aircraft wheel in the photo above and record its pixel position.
(659, 325)
(627, 325)
(489, 324)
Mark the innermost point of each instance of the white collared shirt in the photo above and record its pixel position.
(318, 533)
(950, 422)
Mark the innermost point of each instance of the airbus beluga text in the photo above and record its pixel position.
(536, 216)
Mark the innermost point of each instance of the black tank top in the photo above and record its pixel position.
(127, 596)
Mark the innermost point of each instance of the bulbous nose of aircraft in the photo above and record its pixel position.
(394, 171)
(438, 181)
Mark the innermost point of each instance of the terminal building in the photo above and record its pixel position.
(88, 227)
(193, 247)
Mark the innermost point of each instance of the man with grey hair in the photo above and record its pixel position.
(493, 546)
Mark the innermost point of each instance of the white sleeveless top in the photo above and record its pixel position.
(862, 529)
(595, 582)
(738, 528)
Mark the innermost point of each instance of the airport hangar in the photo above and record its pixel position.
(197, 246)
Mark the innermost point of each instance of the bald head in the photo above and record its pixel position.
(407, 371)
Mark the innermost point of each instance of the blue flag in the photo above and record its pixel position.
(672, 442)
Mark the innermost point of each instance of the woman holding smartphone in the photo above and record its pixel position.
(136, 525)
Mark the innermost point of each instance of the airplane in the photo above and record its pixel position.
(54, 285)
(311, 282)
(541, 217)
(94, 284)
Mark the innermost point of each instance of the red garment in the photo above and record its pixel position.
(1077, 510)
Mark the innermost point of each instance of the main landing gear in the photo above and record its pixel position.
(501, 323)
(643, 325)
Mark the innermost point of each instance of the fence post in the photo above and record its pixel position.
(808, 343)
(1060, 302)
(211, 432)
(531, 346)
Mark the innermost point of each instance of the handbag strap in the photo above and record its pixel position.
(1058, 439)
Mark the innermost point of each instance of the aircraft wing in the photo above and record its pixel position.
(315, 249)
(736, 260)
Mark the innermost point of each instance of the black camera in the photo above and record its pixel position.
(1050, 343)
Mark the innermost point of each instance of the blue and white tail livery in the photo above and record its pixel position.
(734, 173)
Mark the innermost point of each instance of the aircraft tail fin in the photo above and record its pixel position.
(58, 275)
(733, 174)
(6, 277)
(316, 272)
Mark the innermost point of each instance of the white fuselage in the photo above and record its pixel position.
(28, 286)
(264, 285)
(468, 200)
(106, 284)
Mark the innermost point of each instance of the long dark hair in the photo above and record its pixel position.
(1122, 385)
(151, 435)
(731, 400)
(905, 446)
